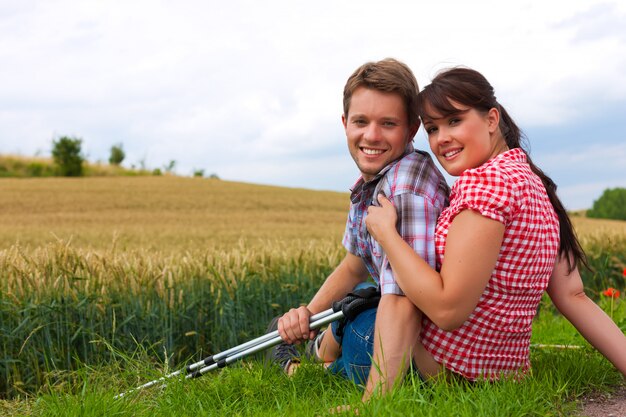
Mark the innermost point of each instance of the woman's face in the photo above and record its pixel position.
(465, 139)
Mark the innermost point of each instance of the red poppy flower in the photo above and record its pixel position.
(611, 292)
(624, 273)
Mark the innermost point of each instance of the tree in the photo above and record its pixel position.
(117, 155)
(610, 205)
(66, 153)
(169, 168)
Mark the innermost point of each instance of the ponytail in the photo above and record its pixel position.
(569, 244)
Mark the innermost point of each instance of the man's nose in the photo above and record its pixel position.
(372, 132)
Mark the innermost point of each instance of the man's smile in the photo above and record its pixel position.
(372, 151)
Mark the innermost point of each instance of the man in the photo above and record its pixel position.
(380, 119)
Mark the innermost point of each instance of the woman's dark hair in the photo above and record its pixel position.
(470, 88)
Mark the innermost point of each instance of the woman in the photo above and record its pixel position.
(498, 243)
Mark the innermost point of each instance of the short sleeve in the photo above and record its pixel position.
(486, 191)
(417, 219)
(349, 236)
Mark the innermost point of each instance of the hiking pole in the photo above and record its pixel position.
(262, 346)
(347, 307)
(219, 357)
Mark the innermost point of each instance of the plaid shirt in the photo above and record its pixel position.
(495, 339)
(419, 193)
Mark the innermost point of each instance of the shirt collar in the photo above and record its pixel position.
(361, 185)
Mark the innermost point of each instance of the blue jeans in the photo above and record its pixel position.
(357, 345)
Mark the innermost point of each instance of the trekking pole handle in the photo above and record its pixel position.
(218, 356)
(358, 301)
(260, 347)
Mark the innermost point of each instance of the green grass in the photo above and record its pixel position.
(60, 307)
(250, 388)
(560, 378)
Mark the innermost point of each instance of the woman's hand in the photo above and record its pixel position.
(381, 221)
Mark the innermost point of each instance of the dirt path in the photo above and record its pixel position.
(602, 405)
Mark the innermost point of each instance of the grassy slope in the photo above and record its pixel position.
(164, 213)
(559, 377)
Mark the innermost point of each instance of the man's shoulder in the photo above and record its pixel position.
(417, 157)
(415, 173)
(414, 168)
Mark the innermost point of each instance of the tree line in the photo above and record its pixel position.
(69, 159)
(610, 205)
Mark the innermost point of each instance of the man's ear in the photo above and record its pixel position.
(493, 118)
(413, 130)
(344, 121)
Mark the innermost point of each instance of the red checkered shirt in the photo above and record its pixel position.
(495, 338)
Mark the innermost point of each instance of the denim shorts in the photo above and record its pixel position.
(357, 345)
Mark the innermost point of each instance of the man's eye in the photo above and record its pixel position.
(359, 122)
(389, 123)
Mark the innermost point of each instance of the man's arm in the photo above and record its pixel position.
(395, 334)
(293, 326)
(567, 293)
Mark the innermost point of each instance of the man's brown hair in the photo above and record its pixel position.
(389, 76)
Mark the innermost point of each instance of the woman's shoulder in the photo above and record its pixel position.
(504, 170)
(492, 189)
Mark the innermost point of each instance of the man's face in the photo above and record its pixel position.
(377, 130)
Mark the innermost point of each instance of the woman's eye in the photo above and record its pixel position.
(430, 130)
(454, 121)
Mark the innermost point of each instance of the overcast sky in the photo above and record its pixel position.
(252, 90)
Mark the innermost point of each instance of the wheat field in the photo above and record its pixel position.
(163, 213)
(177, 266)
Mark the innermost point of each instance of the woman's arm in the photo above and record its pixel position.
(567, 293)
(447, 297)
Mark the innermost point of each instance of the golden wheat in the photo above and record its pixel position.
(163, 213)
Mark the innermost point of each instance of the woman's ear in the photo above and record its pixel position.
(493, 119)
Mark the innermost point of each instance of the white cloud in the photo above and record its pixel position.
(211, 84)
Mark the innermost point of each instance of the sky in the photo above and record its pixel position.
(252, 91)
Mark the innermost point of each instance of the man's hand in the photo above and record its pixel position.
(293, 326)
